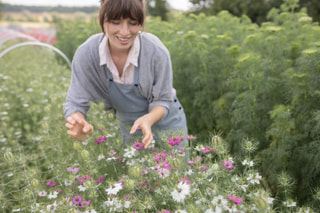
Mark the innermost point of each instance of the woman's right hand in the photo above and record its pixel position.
(78, 126)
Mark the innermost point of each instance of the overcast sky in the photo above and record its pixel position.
(177, 4)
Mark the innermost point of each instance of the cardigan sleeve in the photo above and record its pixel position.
(87, 80)
(156, 75)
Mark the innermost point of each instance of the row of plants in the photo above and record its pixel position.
(248, 81)
(43, 170)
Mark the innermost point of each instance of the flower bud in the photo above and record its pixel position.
(216, 140)
(130, 184)
(8, 156)
(85, 154)
(34, 182)
(134, 171)
(76, 145)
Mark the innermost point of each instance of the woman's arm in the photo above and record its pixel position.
(145, 122)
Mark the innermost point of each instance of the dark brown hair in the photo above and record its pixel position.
(117, 9)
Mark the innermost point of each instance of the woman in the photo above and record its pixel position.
(130, 71)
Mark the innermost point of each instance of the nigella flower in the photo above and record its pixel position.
(51, 183)
(73, 170)
(203, 168)
(164, 211)
(181, 150)
(236, 200)
(77, 200)
(113, 190)
(99, 180)
(190, 137)
(206, 150)
(82, 180)
(180, 194)
(175, 141)
(42, 194)
(161, 157)
(53, 195)
(185, 180)
(228, 164)
(85, 203)
(138, 146)
(101, 139)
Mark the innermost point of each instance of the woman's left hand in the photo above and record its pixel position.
(145, 122)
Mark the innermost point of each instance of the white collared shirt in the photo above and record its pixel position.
(132, 61)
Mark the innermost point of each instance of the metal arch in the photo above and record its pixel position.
(37, 44)
(20, 35)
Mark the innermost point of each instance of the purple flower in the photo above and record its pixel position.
(236, 200)
(51, 183)
(190, 137)
(101, 139)
(82, 180)
(161, 157)
(203, 168)
(181, 150)
(99, 180)
(228, 164)
(175, 140)
(185, 180)
(138, 146)
(77, 200)
(206, 150)
(73, 170)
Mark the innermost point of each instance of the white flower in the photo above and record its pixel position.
(129, 153)
(52, 207)
(82, 188)
(67, 182)
(270, 200)
(113, 204)
(127, 204)
(53, 195)
(90, 211)
(209, 211)
(249, 163)
(219, 201)
(180, 194)
(110, 159)
(254, 178)
(290, 203)
(199, 148)
(180, 211)
(113, 190)
(189, 172)
(42, 194)
(101, 157)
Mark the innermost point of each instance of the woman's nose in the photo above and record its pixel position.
(124, 30)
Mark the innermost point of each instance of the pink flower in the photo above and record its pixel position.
(228, 164)
(206, 150)
(85, 203)
(175, 141)
(77, 200)
(236, 200)
(191, 162)
(203, 168)
(51, 183)
(101, 139)
(82, 180)
(99, 180)
(161, 157)
(138, 146)
(73, 170)
(181, 150)
(185, 180)
(190, 137)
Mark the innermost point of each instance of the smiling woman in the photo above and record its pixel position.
(130, 72)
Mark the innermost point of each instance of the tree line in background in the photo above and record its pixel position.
(256, 10)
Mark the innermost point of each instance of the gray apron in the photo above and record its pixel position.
(129, 104)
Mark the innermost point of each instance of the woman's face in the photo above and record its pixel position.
(121, 33)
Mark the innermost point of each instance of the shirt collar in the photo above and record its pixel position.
(105, 57)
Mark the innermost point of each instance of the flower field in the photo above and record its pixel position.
(44, 170)
(251, 97)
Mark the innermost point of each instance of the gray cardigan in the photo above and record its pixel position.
(89, 79)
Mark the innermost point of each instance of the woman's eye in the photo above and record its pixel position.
(115, 22)
(133, 23)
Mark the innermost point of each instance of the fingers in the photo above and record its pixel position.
(147, 141)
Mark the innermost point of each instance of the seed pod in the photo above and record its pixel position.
(8, 156)
(85, 154)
